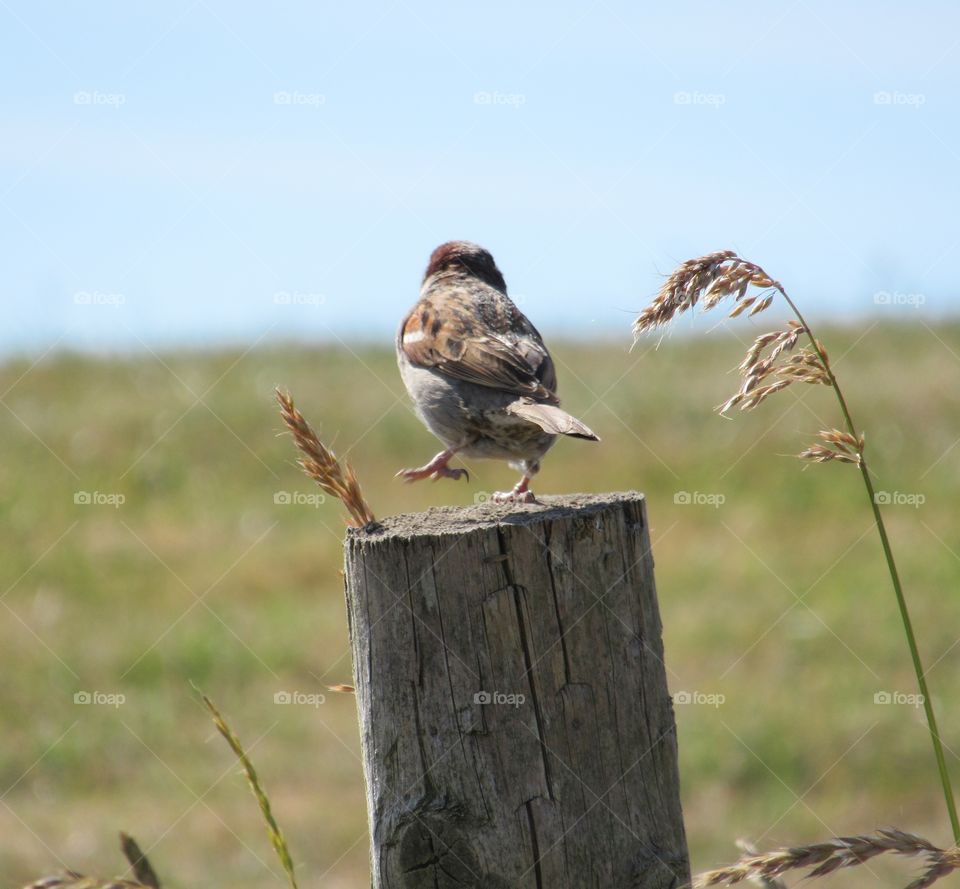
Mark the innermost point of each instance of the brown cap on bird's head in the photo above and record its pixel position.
(463, 256)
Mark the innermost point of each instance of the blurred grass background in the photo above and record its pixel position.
(777, 599)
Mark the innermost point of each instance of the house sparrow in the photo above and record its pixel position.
(478, 372)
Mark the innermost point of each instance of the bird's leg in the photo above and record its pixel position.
(437, 468)
(521, 493)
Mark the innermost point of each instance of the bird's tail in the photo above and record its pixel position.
(551, 419)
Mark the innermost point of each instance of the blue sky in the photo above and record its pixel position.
(205, 172)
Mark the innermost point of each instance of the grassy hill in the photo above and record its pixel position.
(775, 599)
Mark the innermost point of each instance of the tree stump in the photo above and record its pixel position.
(516, 725)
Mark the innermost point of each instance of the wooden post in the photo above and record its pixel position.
(516, 725)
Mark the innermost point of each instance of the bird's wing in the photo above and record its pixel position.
(471, 346)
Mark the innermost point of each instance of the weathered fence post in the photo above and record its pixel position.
(516, 725)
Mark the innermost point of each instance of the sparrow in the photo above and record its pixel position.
(479, 375)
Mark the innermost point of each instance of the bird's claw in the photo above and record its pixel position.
(447, 472)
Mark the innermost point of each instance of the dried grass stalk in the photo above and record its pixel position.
(145, 876)
(805, 366)
(72, 880)
(825, 858)
(766, 882)
(840, 446)
(709, 278)
(768, 369)
(277, 839)
(142, 870)
(321, 464)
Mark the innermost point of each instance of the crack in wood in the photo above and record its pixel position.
(518, 594)
(534, 845)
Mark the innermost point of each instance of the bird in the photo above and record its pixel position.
(478, 372)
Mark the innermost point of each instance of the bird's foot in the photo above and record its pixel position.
(513, 497)
(436, 469)
(521, 493)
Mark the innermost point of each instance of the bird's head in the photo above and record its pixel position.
(464, 257)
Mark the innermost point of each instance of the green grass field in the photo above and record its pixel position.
(777, 599)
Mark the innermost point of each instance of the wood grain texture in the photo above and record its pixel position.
(516, 725)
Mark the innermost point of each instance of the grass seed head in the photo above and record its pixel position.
(322, 465)
(839, 852)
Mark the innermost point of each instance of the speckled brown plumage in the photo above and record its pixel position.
(478, 371)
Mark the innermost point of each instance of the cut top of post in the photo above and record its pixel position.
(457, 519)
